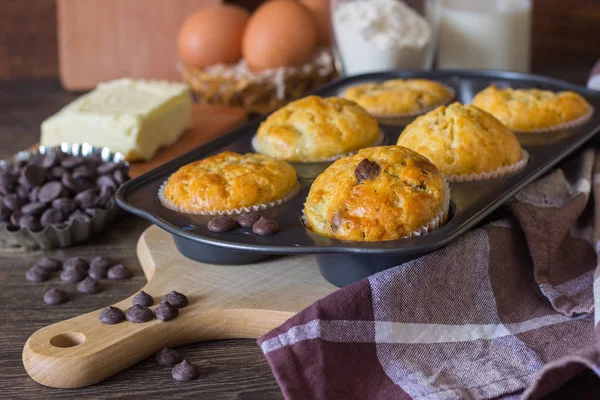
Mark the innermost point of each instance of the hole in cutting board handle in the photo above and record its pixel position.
(69, 339)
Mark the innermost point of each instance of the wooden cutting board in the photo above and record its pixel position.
(225, 302)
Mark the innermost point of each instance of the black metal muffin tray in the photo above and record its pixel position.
(343, 262)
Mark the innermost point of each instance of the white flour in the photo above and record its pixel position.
(375, 35)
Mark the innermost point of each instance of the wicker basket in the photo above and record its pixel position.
(237, 86)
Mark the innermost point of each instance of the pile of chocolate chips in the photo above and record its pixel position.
(139, 312)
(57, 189)
(260, 225)
(86, 274)
(183, 370)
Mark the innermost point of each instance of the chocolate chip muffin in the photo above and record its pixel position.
(399, 97)
(316, 129)
(380, 193)
(531, 110)
(464, 142)
(229, 183)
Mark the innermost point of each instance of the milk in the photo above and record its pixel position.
(485, 34)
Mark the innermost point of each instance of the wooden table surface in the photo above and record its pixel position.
(228, 368)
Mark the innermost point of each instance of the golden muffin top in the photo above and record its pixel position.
(380, 193)
(229, 181)
(526, 110)
(461, 140)
(316, 129)
(398, 96)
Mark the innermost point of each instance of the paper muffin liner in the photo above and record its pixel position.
(484, 176)
(379, 141)
(72, 232)
(257, 207)
(561, 127)
(436, 222)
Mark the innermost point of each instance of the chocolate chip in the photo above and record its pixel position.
(107, 168)
(51, 216)
(87, 199)
(33, 175)
(367, 170)
(88, 286)
(28, 194)
(34, 208)
(12, 201)
(37, 274)
(64, 204)
(58, 172)
(79, 216)
(83, 172)
(72, 162)
(176, 299)
(118, 272)
(14, 217)
(247, 219)
(138, 314)
(70, 183)
(76, 262)
(166, 312)
(55, 296)
(50, 191)
(30, 222)
(101, 262)
(50, 264)
(167, 357)
(6, 183)
(4, 213)
(265, 226)
(221, 223)
(73, 275)
(184, 371)
(36, 159)
(97, 271)
(93, 160)
(50, 160)
(120, 176)
(143, 299)
(106, 181)
(61, 226)
(111, 315)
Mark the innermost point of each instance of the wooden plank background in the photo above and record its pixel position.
(565, 32)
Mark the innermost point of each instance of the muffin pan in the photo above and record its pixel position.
(340, 262)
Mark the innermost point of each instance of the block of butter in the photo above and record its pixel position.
(131, 117)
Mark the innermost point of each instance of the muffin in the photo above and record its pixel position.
(531, 110)
(399, 97)
(379, 194)
(229, 183)
(465, 143)
(316, 129)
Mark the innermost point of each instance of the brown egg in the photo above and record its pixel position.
(280, 33)
(322, 13)
(212, 35)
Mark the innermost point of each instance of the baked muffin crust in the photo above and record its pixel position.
(398, 96)
(462, 140)
(229, 181)
(527, 110)
(316, 129)
(380, 193)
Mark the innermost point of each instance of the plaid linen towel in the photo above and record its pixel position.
(504, 311)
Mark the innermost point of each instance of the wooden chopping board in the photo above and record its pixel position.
(225, 302)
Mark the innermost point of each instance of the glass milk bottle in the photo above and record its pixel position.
(485, 34)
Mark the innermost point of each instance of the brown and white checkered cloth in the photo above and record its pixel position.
(504, 311)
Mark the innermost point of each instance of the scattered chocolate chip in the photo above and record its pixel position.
(34, 208)
(107, 168)
(73, 275)
(221, 223)
(72, 162)
(101, 262)
(184, 371)
(55, 296)
(32, 175)
(167, 357)
(143, 299)
(367, 170)
(64, 204)
(12, 201)
(247, 219)
(111, 315)
(97, 271)
(78, 216)
(51, 216)
(50, 264)
(265, 226)
(88, 286)
(49, 191)
(37, 274)
(138, 314)
(87, 199)
(118, 271)
(176, 299)
(76, 262)
(30, 222)
(166, 312)
(58, 172)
